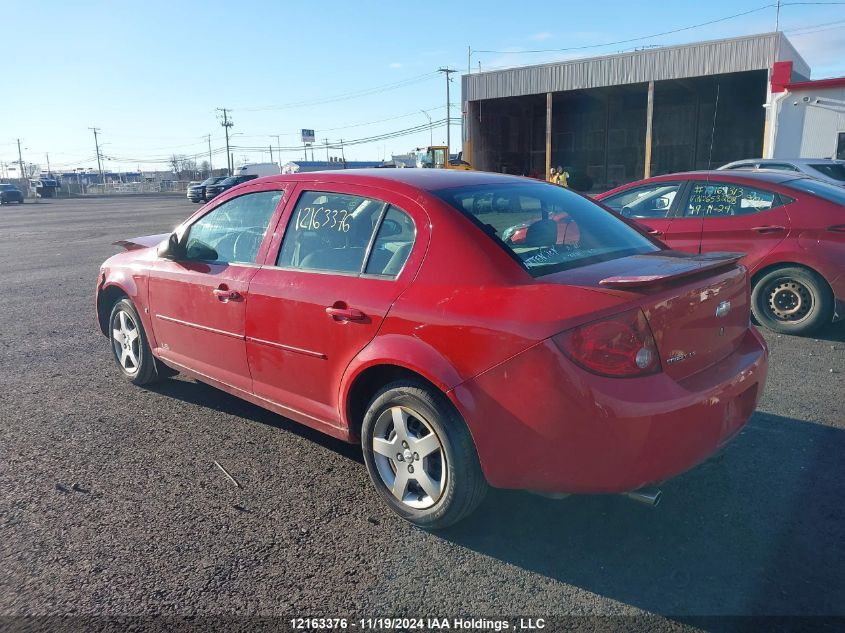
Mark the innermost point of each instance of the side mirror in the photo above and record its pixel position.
(171, 248)
(661, 203)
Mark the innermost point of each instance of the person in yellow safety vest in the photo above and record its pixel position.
(562, 177)
(553, 176)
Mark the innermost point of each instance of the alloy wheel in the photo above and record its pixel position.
(409, 457)
(126, 342)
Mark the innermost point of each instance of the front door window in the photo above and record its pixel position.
(232, 233)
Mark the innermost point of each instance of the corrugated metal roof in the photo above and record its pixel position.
(715, 57)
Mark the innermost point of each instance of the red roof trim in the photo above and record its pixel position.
(834, 82)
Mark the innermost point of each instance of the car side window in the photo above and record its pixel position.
(232, 233)
(334, 232)
(723, 199)
(393, 244)
(780, 166)
(651, 201)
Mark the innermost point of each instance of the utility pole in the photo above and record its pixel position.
(49, 172)
(448, 71)
(271, 152)
(777, 16)
(210, 167)
(227, 123)
(469, 59)
(342, 155)
(278, 148)
(97, 146)
(327, 150)
(20, 160)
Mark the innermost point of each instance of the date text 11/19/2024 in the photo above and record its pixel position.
(419, 624)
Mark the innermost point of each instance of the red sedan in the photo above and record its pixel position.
(790, 227)
(383, 307)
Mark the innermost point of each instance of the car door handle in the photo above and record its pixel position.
(655, 232)
(225, 295)
(768, 229)
(345, 314)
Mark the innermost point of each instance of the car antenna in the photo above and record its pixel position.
(713, 131)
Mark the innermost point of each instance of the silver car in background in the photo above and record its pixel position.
(829, 170)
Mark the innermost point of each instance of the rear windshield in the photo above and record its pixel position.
(546, 228)
(833, 193)
(831, 170)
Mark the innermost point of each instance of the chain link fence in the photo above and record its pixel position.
(72, 189)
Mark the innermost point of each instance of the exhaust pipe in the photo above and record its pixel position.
(648, 496)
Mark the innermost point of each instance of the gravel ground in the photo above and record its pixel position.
(110, 502)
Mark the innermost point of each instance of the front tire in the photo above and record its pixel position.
(420, 456)
(792, 300)
(130, 348)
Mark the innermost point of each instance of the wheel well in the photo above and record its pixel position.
(766, 270)
(368, 383)
(108, 297)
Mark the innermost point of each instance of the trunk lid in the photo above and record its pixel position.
(145, 241)
(697, 306)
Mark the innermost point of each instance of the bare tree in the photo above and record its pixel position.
(183, 168)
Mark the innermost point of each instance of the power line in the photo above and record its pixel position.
(295, 148)
(345, 96)
(814, 26)
(645, 37)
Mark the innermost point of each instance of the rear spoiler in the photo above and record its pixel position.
(659, 268)
(145, 241)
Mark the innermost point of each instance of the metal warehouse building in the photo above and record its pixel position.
(621, 117)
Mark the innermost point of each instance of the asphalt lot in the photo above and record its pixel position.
(110, 502)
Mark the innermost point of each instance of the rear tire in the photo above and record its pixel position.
(420, 456)
(130, 348)
(792, 300)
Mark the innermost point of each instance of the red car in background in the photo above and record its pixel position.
(790, 227)
(382, 307)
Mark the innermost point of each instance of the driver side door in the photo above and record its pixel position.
(198, 302)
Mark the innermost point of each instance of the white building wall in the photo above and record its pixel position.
(809, 130)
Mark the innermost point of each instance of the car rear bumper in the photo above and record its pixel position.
(540, 423)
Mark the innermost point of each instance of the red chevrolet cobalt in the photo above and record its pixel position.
(385, 307)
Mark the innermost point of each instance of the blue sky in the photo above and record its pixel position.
(151, 74)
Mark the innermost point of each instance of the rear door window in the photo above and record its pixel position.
(346, 234)
(724, 199)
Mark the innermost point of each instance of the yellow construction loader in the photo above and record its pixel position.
(437, 157)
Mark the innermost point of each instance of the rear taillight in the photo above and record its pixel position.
(620, 346)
